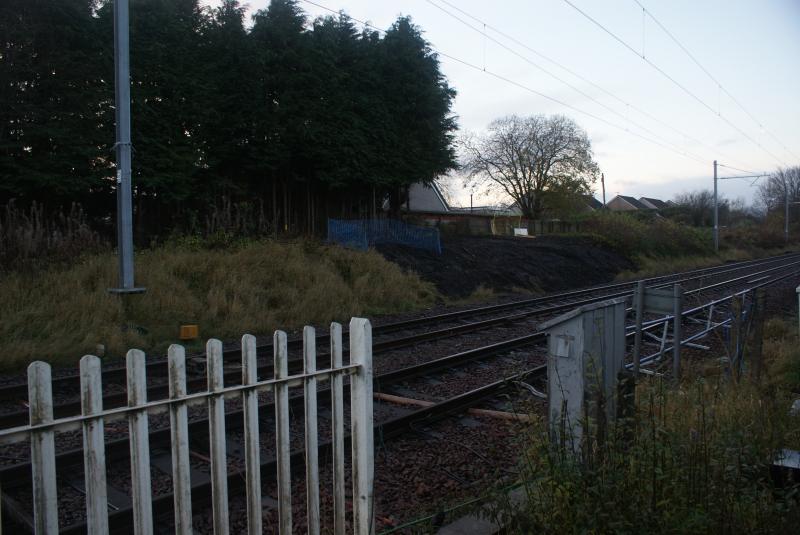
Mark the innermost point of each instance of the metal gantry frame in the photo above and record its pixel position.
(716, 204)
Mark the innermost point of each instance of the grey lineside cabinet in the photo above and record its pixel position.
(586, 351)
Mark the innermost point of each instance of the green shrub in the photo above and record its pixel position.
(636, 235)
(697, 461)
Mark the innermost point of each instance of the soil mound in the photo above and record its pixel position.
(508, 264)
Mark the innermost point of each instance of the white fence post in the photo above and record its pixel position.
(312, 447)
(140, 444)
(282, 438)
(43, 450)
(94, 453)
(337, 430)
(361, 424)
(94, 417)
(179, 431)
(216, 428)
(251, 440)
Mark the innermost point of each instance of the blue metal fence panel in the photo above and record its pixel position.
(364, 233)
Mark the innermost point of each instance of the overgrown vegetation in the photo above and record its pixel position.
(644, 235)
(693, 459)
(32, 238)
(61, 312)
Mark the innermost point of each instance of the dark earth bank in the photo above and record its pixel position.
(511, 264)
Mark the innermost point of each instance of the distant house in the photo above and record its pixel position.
(653, 204)
(426, 199)
(624, 203)
(593, 204)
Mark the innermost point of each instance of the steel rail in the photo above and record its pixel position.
(163, 504)
(18, 418)
(19, 391)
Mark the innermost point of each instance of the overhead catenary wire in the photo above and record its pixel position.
(520, 86)
(721, 87)
(628, 105)
(561, 80)
(675, 82)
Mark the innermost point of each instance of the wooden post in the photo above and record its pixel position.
(759, 310)
(251, 438)
(43, 450)
(216, 428)
(179, 431)
(637, 342)
(94, 453)
(282, 438)
(140, 443)
(736, 336)
(312, 462)
(361, 424)
(337, 430)
(676, 331)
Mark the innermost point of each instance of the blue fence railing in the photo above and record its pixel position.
(363, 233)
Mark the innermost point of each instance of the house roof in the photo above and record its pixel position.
(426, 198)
(658, 204)
(593, 203)
(634, 202)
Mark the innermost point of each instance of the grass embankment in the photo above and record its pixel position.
(697, 461)
(63, 311)
(659, 246)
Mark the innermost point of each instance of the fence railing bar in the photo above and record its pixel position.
(361, 426)
(94, 456)
(216, 429)
(179, 430)
(43, 450)
(251, 438)
(311, 432)
(70, 423)
(140, 443)
(337, 430)
(142, 505)
(282, 437)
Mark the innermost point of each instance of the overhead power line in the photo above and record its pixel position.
(674, 81)
(521, 86)
(558, 78)
(714, 79)
(523, 45)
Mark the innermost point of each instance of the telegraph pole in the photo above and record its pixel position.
(603, 182)
(716, 211)
(122, 101)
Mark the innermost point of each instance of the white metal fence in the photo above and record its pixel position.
(42, 428)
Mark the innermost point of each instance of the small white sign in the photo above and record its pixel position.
(520, 232)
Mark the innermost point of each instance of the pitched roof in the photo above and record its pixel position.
(633, 202)
(658, 204)
(593, 203)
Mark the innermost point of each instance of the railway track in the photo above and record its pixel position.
(391, 421)
(13, 397)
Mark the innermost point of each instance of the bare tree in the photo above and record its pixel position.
(531, 159)
(698, 206)
(782, 183)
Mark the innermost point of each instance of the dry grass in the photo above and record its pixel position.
(695, 458)
(655, 266)
(61, 313)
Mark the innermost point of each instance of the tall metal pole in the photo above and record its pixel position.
(786, 211)
(122, 93)
(716, 211)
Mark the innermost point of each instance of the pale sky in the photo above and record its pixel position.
(752, 47)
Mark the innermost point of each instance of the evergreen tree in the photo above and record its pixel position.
(49, 144)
